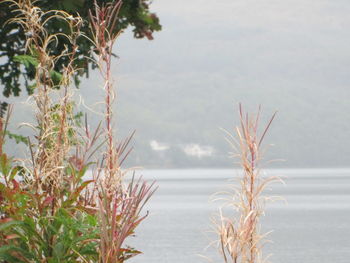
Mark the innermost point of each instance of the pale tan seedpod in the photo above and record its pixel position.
(239, 238)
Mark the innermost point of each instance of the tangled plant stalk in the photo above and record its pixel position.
(240, 239)
(103, 28)
(119, 208)
(54, 116)
(49, 210)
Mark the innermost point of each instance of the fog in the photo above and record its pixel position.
(181, 90)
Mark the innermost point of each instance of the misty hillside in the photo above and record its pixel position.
(179, 90)
(311, 128)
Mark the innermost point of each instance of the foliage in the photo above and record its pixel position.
(18, 138)
(51, 209)
(31, 233)
(133, 13)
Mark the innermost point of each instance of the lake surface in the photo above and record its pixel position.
(312, 225)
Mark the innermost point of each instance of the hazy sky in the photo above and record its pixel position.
(249, 44)
(259, 38)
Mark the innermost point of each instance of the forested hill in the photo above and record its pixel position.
(180, 119)
(311, 129)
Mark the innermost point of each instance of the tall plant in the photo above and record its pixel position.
(240, 237)
(49, 211)
(119, 208)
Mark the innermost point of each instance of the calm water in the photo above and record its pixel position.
(311, 226)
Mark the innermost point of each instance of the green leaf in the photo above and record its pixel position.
(6, 253)
(12, 223)
(5, 164)
(31, 88)
(74, 196)
(26, 60)
(18, 138)
(56, 77)
(14, 172)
